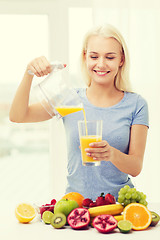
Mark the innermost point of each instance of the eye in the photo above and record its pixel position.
(110, 58)
(93, 57)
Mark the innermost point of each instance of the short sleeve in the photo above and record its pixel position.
(141, 115)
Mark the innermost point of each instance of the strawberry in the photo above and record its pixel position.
(110, 199)
(101, 200)
(86, 202)
(92, 204)
(53, 201)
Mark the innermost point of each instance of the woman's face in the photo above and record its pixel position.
(103, 59)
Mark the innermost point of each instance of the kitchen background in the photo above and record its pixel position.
(32, 163)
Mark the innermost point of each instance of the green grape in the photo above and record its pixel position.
(133, 190)
(133, 200)
(134, 195)
(121, 198)
(138, 196)
(144, 202)
(122, 191)
(143, 196)
(129, 190)
(126, 187)
(128, 195)
(126, 202)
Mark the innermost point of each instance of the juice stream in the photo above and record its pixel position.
(85, 121)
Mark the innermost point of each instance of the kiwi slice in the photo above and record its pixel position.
(155, 219)
(58, 220)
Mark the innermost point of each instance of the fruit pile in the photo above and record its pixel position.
(80, 215)
(104, 214)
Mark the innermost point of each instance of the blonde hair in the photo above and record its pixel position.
(122, 78)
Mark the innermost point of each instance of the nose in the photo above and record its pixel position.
(101, 63)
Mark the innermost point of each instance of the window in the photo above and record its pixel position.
(23, 147)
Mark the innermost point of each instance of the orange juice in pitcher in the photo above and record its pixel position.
(65, 110)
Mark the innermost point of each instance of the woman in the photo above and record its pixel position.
(105, 62)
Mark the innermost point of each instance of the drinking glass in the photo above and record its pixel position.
(89, 132)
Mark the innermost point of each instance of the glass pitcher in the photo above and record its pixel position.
(57, 98)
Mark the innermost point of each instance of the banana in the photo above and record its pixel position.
(119, 217)
(112, 209)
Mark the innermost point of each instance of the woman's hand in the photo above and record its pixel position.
(40, 66)
(100, 151)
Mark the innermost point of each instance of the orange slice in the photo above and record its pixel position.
(25, 212)
(138, 215)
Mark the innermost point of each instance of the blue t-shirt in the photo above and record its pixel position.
(91, 181)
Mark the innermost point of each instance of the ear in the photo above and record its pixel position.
(122, 60)
(84, 55)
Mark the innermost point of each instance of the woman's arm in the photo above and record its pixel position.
(130, 163)
(20, 110)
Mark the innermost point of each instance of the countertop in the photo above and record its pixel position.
(10, 228)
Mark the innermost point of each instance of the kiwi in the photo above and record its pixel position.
(58, 220)
(155, 219)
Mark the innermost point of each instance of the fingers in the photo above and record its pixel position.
(99, 146)
(99, 150)
(99, 156)
(40, 66)
(103, 143)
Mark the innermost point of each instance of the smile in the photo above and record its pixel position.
(101, 73)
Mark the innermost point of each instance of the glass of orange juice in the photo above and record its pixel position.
(89, 131)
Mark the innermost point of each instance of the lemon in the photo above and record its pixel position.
(47, 216)
(124, 226)
(25, 212)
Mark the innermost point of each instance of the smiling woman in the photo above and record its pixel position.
(109, 51)
(128, 111)
(101, 67)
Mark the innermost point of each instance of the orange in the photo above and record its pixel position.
(25, 212)
(138, 215)
(74, 196)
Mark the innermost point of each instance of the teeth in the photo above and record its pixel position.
(102, 73)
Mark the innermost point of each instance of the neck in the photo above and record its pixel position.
(101, 90)
(102, 96)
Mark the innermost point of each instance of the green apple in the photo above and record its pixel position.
(65, 206)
